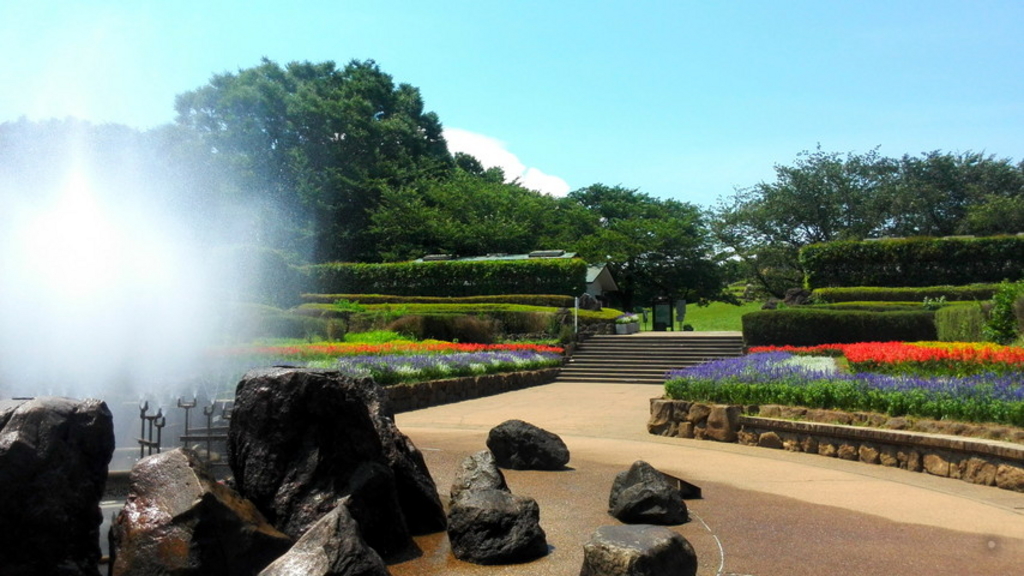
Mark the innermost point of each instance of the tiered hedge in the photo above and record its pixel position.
(456, 278)
(913, 262)
(550, 300)
(813, 326)
(913, 294)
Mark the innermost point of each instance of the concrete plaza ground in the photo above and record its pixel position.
(763, 513)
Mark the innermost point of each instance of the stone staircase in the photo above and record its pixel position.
(645, 357)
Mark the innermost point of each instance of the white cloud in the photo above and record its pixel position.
(492, 152)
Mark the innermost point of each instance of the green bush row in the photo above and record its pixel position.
(867, 306)
(243, 322)
(962, 322)
(811, 326)
(552, 300)
(913, 262)
(455, 278)
(880, 294)
(849, 396)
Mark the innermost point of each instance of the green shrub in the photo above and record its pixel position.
(1004, 324)
(881, 306)
(810, 326)
(259, 275)
(878, 294)
(961, 322)
(913, 262)
(245, 322)
(549, 300)
(452, 278)
(468, 329)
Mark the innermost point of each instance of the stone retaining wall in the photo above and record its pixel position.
(406, 397)
(975, 460)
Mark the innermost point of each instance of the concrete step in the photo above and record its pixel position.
(644, 359)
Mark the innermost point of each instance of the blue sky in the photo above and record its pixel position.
(685, 100)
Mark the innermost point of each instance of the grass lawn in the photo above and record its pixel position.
(717, 316)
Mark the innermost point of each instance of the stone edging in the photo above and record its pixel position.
(406, 397)
(978, 461)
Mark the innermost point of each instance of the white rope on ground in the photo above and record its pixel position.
(721, 550)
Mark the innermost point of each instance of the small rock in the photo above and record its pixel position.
(936, 465)
(638, 550)
(522, 446)
(769, 440)
(1010, 478)
(495, 527)
(333, 546)
(723, 423)
(478, 472)
(643, 495)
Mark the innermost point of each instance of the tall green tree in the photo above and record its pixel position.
(470, 213)
(656, 247)
(826, 196)
(936, 193)
(329, 140)
(823, 197)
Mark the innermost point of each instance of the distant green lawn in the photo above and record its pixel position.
(716, 316)
(719, 316)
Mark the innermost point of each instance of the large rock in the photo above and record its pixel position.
(54, 454)
(643, 495)
(478, 472)
(331, 547)
(298, 438)
(638, 550)
(179, 520)
(522, 446)
(491, 526)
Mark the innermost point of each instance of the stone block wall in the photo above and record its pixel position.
(406, 397)
(975, 460)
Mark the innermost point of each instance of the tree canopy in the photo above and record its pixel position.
(826, 196)
(656, 247)
(326, 139)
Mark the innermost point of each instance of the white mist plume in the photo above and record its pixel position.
(99, 293)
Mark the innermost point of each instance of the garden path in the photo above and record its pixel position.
(764, 512)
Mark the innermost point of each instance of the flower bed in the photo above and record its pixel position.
(987, 390)
(395, 362)
(929, 358)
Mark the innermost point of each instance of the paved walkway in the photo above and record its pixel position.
(764, 512)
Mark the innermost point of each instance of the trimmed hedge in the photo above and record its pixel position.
(913, 262)
(879, 294)
(454, 278)
(811, 326)
(964, 322)
(868, 306)
(551, 300)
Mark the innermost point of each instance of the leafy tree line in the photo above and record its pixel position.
(324, 163)
(827, 196)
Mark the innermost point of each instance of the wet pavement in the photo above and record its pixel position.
(763, 512)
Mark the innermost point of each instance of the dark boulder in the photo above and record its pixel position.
(478, 472)
(638, 550)
(643, 495)
(333, 546)
(179, 520)
(797, 297)
(490, 526)
(522, 446)
(299, 440)
(54, 454)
